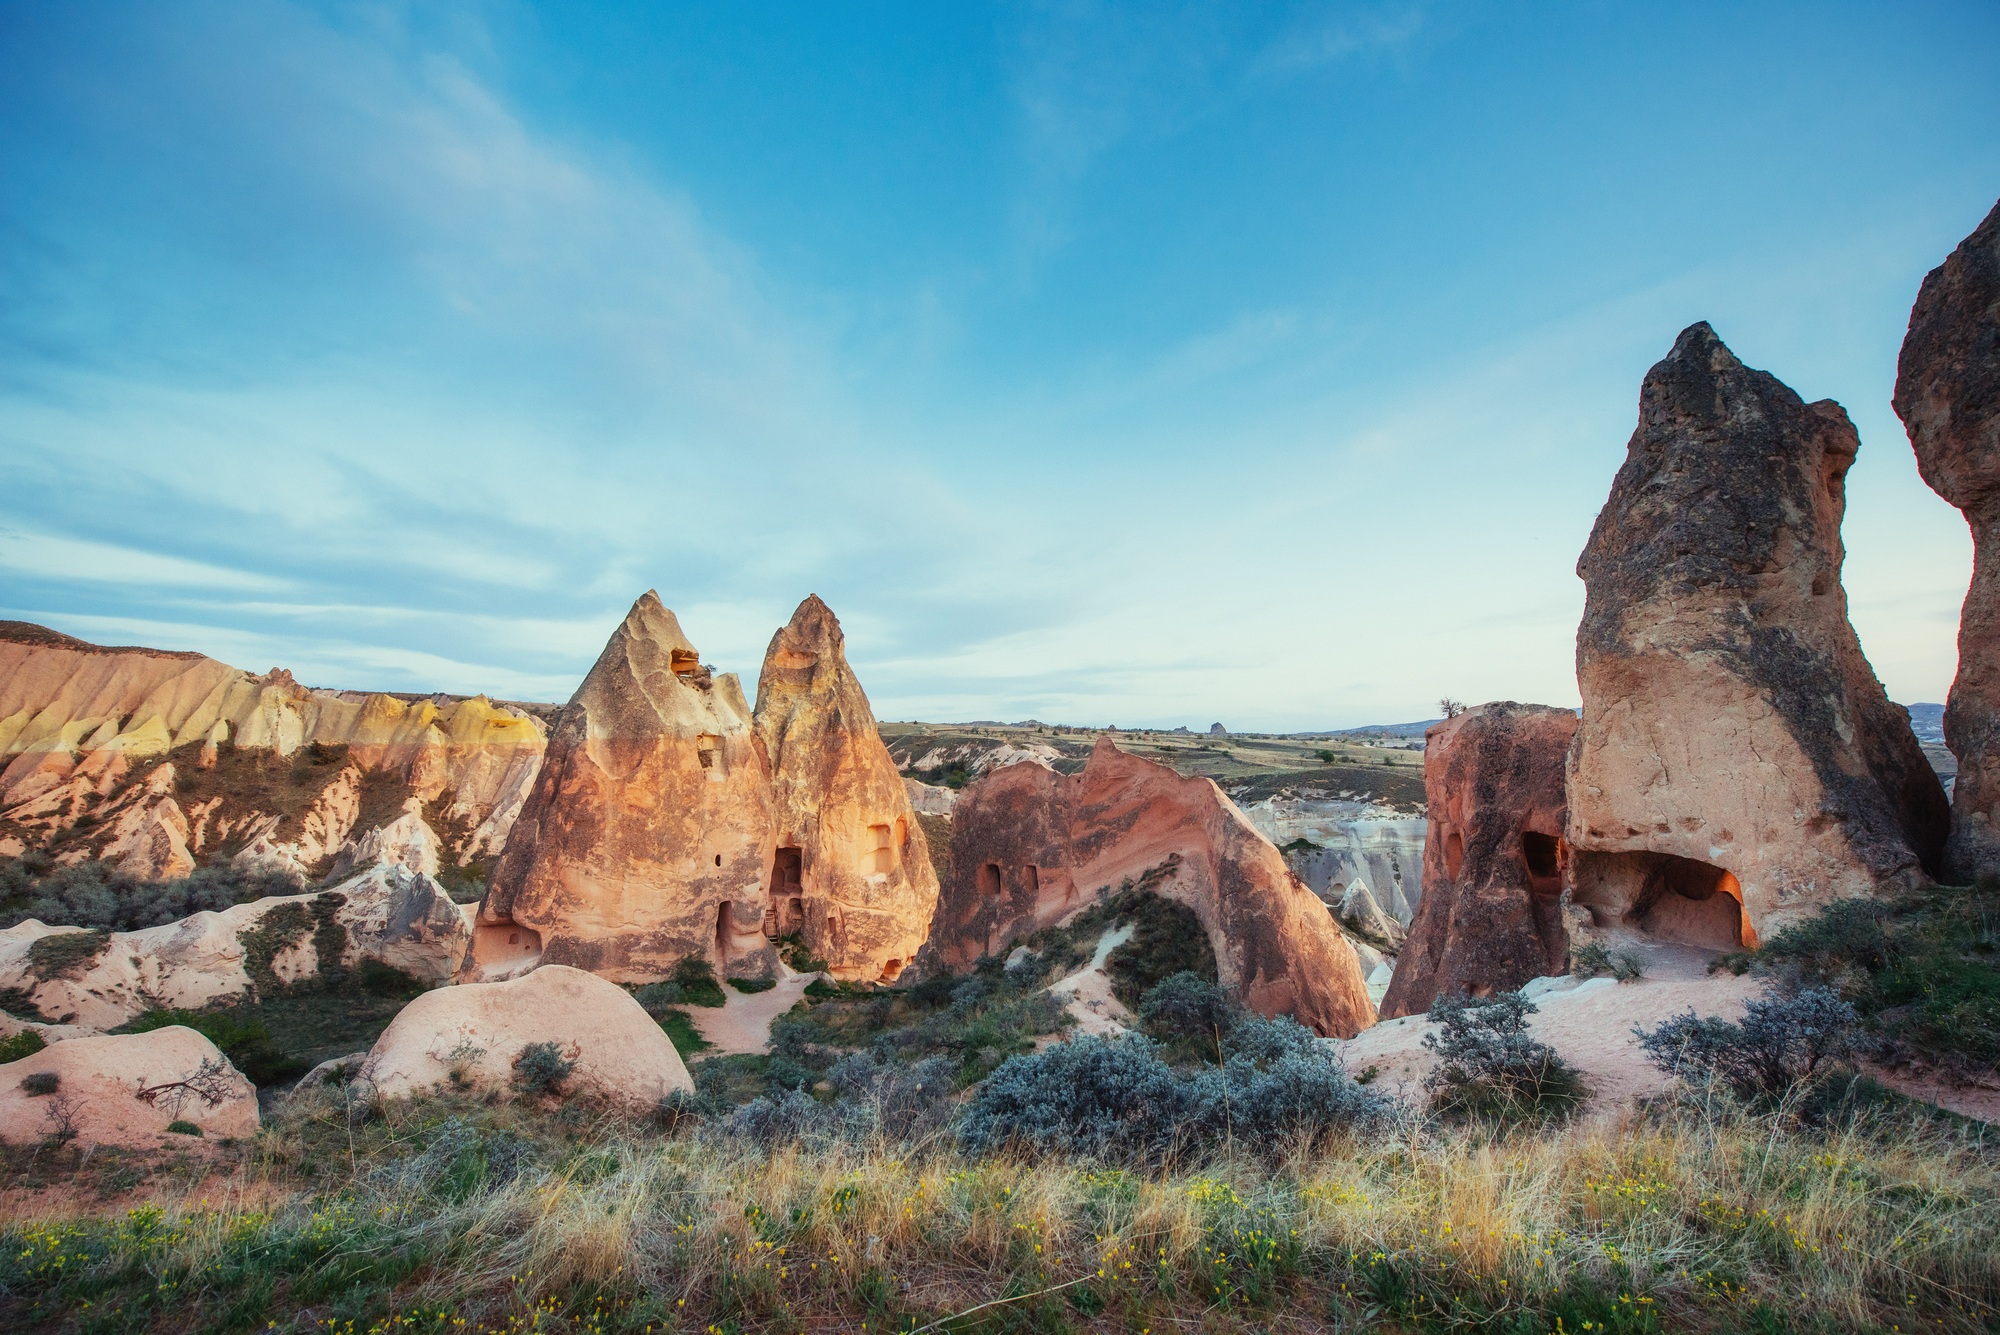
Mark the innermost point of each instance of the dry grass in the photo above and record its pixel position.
(1696, 1222)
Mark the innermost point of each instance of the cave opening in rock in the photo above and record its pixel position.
(684, 663)
(989, 879)
(724, 929)
(1033, 876)
(499, 944)
(1454, 851)
(1672, 898)
(890, 970)
(880, 857)
(1543, 853)
(787, 872)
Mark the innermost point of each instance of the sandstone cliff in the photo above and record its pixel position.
(1737, 764)
(152, 760)
(851, 872)
(1948, 395)
(647, 835)
(1491, 917)
(1029, 846)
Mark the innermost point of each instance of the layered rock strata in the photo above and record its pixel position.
(648, 834)
(1948, 395)
(1030, 846)
(196, 758)
(851, 871)
(1491, 917)
(1737, 764)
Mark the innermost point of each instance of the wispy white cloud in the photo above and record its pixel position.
(58, 559)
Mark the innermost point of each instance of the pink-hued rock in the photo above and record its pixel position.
(1948, 395)
(124, 1089)
(470, 1035)
(845, 834)
(1030, 847)
(1491, 917)
(647, 837)
(1738, 764)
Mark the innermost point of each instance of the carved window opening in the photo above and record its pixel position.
(880, 859)
(1544, 855)
(1454, 852)
(989, 879)
(891, 969)
(1032, 875)
(684, 662)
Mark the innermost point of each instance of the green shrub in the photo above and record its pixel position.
(40, 1083)
(275, 931)
(1167, 938)
(753, 985)
(66, 954)
(183, 1128)
(792, 950)
(243, 1039)
(1489, 1067)
(695, 977)
(92, 894)
(1187, 1014)
(24, 1044)
(1595, 961)
(541, 1068)
(1782, 1046)
(680, 1031)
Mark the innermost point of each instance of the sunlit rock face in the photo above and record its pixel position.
(647, 835)
(1948, 395)
(153, 760)
(1737, 764)
(1347, 844)
(1030, 846)
(850, 870)
(1492, 918)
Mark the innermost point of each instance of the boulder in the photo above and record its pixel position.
(1360, 914)
(124, 1090)
(468, 1037)
(647, 836)
(851, 870)
(1948, 395)
(1737, 764)
(1030, 846)
(1491, 917)
(388, 914)
(929, 799)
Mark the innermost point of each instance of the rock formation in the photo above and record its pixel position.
(1948, 395)
(851, 871)
(647, 836)
(1491, 917)
(1737, 764)
(387, 914)
(197, 759)
(1336, 845)
(470, 1036)
(125, 1090)
(1030, 846)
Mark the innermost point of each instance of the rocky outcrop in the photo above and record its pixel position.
(928, 799)
(125, 1090)
(647, 837)
(1336, 845)
(1948, 395)
(1029, 846)
(851, 871)
(86, 730)
(1737, 764)
(469, 1037)
(1491, 918)
(387, 914)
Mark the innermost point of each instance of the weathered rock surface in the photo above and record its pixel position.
(845, 833)
(647, 837)
(124, 1089)
(1348, 844)
(469, 1037)
(86, 731)
(388, 913)
(1491, 918)
(929, 799)
(1737, 764)
(1948, 395)
(1030, 846)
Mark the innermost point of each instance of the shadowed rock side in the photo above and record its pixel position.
(850, 870)
(1948, 395)
(1737, 764)
(1491, 916)
(1029, 846)
(85, 730)
(647, 834)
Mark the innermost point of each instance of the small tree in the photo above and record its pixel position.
(541, 1068)
(1490, 1066)
(1782, 1045)
(1451, 708)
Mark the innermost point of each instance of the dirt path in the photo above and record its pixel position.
(743, 1022)
(1087, 992)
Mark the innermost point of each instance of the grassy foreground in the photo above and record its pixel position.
(462, 1215)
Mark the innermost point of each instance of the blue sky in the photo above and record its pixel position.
(1148, 364)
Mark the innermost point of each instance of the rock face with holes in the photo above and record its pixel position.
(850, 872)
(1030, 846)
(1737, 764)
(469, 1037)
(1491, 917)
(125, 1090)
(647, 836)
(1948, 395)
